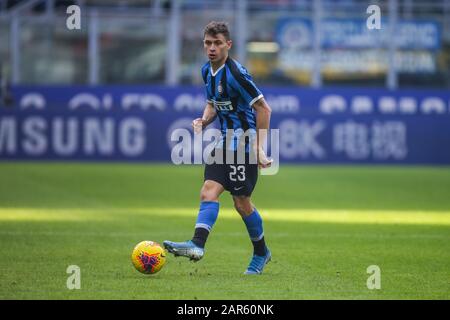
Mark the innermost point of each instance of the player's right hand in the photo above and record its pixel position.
(197, 125)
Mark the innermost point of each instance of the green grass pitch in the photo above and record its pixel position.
(324, 224)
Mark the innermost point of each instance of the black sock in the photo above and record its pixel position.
(200, 236)
(259, 247)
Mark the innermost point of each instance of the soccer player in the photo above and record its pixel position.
(242, 110)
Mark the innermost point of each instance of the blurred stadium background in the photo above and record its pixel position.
(346, 100)
(340, 91)
(157, 41)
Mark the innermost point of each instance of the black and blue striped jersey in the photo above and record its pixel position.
(232, 92)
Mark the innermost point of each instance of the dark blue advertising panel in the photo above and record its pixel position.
(137, 124)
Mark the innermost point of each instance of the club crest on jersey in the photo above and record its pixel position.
(220, 88)
(223, 105)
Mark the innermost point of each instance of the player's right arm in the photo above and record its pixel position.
(209, 115)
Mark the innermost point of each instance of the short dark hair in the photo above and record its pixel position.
(215, 27)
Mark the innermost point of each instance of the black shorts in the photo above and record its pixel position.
(237, 178)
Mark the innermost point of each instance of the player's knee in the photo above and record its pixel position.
(208, 196)
(209, 192)
(239, 208)
(243, 206)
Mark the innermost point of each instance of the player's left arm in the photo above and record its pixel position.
(263, 113)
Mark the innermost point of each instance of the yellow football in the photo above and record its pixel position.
(148, 257)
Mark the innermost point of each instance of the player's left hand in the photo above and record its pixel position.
(197, 125)
(263, 161)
